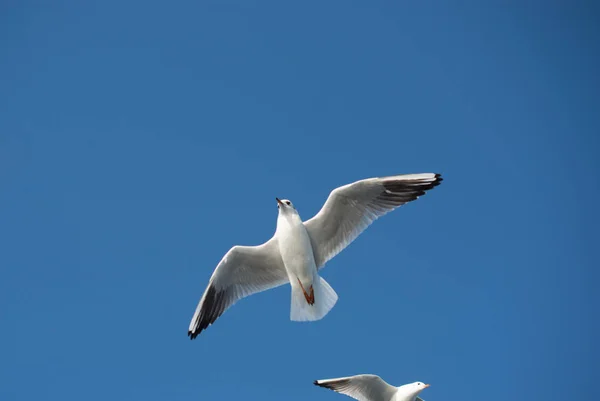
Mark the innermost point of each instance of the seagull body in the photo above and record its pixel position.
(373, 388)
(296, 251)
(299, 249)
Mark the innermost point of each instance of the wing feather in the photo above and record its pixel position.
(243, 271)
(360, 387)
(350, 209)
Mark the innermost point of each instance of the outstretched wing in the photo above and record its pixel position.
(361, 387)
(350, 209)
(243, 271)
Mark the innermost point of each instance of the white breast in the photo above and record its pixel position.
(296, 249)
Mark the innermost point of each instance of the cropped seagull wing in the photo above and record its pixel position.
(419, 399)
(243, 271)
(350, 209)
(361, 387)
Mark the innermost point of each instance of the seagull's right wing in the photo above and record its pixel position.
(243, 271)
(350, 209)
(419, 399)
(360, 387)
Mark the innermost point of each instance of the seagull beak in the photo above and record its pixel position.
(278, 201)
(427, 385)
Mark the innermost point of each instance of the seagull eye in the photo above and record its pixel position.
(288, 203)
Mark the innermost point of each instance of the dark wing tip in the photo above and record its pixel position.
(437, 180)
(193, 334)
(324, 385)
(212, 307)
(333, 385)
(404, 191)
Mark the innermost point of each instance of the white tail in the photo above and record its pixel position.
(325, 298)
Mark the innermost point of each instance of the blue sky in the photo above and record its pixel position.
(140, 140)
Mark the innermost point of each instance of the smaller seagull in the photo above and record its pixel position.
(299, 249)
(373, 388)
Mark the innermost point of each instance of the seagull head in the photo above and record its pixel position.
(412, 389)
(284, 205)
(417, 387)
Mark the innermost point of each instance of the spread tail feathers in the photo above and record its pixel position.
(322, 296)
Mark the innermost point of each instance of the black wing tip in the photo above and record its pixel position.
(407, 191)
(335, 385)
(323, 385)
(212, 308)
(437, 180)
(193, 334)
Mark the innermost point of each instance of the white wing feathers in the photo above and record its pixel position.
(350, 209)
(361, 387)
(243, 271)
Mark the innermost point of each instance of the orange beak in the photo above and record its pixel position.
(427, 385)
(278, 201)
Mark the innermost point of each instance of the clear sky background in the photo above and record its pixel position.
(140, 140)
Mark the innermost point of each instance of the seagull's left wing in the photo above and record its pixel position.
(243, 271)
(360, 387)
(419, 399)
(350, 209)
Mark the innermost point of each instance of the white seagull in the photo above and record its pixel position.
(298, 249)
(373, 388)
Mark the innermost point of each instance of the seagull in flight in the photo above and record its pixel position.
(299, 249)
(373, 388)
